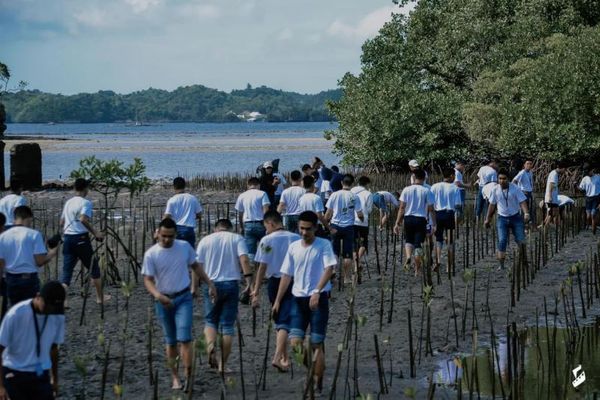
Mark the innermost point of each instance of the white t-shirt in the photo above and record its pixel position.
(17, 336)
(311, 202)
(366, 204)
(487, 174)
(183, 208)
(389, 198)
(413, 179)
(344, 204)
(552, 195)
(272, 250)
(220, 254)
(306, 265)
(251, 203)
(507, 200)
(590, 185)
(417, 198)
(458, 178)
(486, 192)
(8, 204)
(73, 209)
(18, 246)
(282, 183)
(564, 200)
(326, 189)
(524, 180)
(169, 266)
(447, 196)
(291, 198)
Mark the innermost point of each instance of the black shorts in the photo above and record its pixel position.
(444, 222)
(415, 230)
(551, 205)
(361, 235)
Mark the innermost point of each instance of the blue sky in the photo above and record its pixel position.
(71, 46)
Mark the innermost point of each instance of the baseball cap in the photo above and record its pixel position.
(413, 163)
(54, 295)
(268, 164)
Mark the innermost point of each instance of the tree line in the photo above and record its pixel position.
(475, 78)
(194, 103)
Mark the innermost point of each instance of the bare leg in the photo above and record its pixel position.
(280, 358)
(99, 296)
(185, 349)
(227, 341)
(172, 362)
(210, 335)
(347, 270)
(319, 369)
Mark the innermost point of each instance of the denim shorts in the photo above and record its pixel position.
(290, 222)
(253, 232)
(284, 316)
(302, 316)
(415, 230)
(75, 248)
(186, 233)
(361, 235)
(591, 204)
(445, 222)
(515, 224)
(343, 240)
(176, 320)
(222, 315)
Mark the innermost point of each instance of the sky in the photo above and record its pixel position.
(73, 46)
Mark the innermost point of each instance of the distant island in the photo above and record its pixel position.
(194, 103)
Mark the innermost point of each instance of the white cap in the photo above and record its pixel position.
(413, 163)
(268, 164)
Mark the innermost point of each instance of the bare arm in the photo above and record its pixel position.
(247, 270)
(3, 395)
(151, 287)
(400, 217)
(54, 370)
(281, 207)
(88, 225)
(490, 213)
(314, 297)
(266, 208)
(260, 276)
(43, 259)
(328, 214)
(241, 219)
(283, 285)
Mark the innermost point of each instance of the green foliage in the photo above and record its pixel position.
(468, 78)
(190, 103)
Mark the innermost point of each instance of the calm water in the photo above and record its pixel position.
(179, 148)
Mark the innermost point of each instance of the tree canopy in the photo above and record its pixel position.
(473, 78)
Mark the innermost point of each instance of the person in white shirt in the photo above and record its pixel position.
(524, 180)
(281, 186)
(343, 207)
(459, 170)
(167, 279)
(29, 338)
(414, 165)
(11, 201)
(76, 220)
(270, 254)
(361, 226)
(22, 252)
(289, 204)
(310, 264)
(551, 196)
(509, 200)
(590, 185)
(416, 203)
(485, 175)
(310, 201)
(251, 207)
(223, 254)
(184, 209)
(447, 199)
(385, 201)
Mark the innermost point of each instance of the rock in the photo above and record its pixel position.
(26, 165)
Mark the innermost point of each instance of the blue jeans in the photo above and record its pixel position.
(284, 316)
(460, 209)
(343, 240)
(591, 204)
(186, 233)
(21, 287)
(302, 316)
(481, 204)
(530, 205)
(290, 222)
(515, 224)
(379, 202)
(75, 248)
(176, 320)
(253, 232)
(223, 313)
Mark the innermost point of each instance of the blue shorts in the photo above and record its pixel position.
(445, 222)
(284, 316)
(302, 316)
(176, 320)
(514, 223)
(591, 204)
(415, 230)
(186, 233)
(290, 223)
(379, 202)
(343, 240)
(222, 315)
(253, 232)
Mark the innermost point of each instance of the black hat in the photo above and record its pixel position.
(54, 295)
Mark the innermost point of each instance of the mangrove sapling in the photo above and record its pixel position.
(338, 364)
(150, 332)
(474, 323)
(578, 267)
(81, 366)
(467, 276)
(104, 377)
(454, 316)
(241, 350)
(410, 347)
(390, 313)
(380, 373)
(263, 375)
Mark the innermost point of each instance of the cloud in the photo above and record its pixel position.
(202, 11)
(285, 34)
(93, 18)
(139, 6)
(368, 26)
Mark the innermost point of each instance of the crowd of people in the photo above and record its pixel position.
(290, 237)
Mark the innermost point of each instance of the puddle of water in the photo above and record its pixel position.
(537, 377)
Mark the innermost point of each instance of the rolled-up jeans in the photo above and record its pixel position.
(253, 232)
(514, 223)
(186, 233)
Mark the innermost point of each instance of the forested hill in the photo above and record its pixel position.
(195, 103)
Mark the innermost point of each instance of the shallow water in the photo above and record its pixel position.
(179, 148)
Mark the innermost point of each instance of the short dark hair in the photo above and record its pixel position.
(348, 180)
(81, 184)
(224, 223)
(419, 174)
(167, 223)
(448, 172)
(306, 167)
(335, 168)
(2, 219)
(364, 180)
(295, 175)
(23, 212)
(273, 216)
(503, 171)
(179, 183)
(309, 216)
(16, 185)
(562, 164)
(308, 181)
(253, 181)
